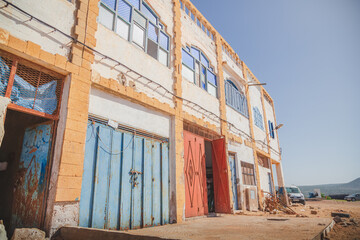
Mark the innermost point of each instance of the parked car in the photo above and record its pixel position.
(295, 194)
(353, 197)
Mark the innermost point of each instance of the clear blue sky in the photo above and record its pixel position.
(308, 53)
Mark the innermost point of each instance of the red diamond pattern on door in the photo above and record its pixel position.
(195, 176)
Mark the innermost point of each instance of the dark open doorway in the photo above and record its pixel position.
(209, 177)
(19, 132)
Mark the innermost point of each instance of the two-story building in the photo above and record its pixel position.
(123, 114)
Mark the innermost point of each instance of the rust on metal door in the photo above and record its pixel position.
(31, 184)
(195, 176)
(221, 180)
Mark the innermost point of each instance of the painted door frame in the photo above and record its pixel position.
(47, 173)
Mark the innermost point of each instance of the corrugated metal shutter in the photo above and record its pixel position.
(125, 181)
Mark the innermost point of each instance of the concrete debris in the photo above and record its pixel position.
(28, 234)
(273, 205)
(340, 214)
(337, 219)
(313, 212)
(311, 207)
(2, 231)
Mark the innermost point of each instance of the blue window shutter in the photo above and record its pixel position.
(124, 10)
(270, 130)
(187, 59)
(273, 131)
(164, 41)
(109, 3)
(135, 3)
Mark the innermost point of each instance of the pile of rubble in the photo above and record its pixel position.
(343, 219)
(273, 205)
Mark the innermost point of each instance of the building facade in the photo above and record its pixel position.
(127, 114)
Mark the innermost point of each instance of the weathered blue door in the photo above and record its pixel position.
(233, 180)
(125, 181)
(30, 186)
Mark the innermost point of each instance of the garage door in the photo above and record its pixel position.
(125, 180)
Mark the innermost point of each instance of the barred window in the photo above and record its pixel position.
(258, 118)
(136, 22)
(196, 68)
(235, 98)
(248, 175)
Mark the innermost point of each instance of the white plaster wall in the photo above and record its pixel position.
(127, 53)
(127, 113)
(264, 179)
(64, 214)
(270, 115)
(58, 13)
(193, 35)
(234, 117)
(199, 96)
(255, 101)
(232, 65)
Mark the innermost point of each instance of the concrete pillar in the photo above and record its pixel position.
(280, 179)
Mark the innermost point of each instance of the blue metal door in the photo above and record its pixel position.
(125, 180)
(30, 186)
(233, 180)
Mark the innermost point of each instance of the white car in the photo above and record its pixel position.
(295, 194)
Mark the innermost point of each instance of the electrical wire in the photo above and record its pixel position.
(54, 29)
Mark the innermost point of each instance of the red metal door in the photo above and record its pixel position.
(221, 180)
(195, 176)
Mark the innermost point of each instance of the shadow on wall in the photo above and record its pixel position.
(74, 233)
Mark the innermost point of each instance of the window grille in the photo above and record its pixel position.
(247, 170)
(258, 118)
(196, 68)
(136, 22)
(31, 89)
(235, 99)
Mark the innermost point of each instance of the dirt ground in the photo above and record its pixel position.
(341, 231)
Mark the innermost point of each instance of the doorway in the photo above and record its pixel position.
(24, 155)
(209, 177)
(206, 176)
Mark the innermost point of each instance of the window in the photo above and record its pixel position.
(235, 98)
(258, 118)
(196, 68)
(247, 170)
(136, 22)
(263, 161)
(271, 129)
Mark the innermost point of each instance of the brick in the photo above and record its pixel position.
(71, 170)
(91, 31)
(79, 30)
(77, 49)
(77, 60)
(67, 195)
(84, 73)
(86, 64)
(93, 25)
(81, 15)
(4, 36)
(68, 182)
(32, 49)
(91, 17)
(74, 147)
(72, 158)
(75, 135)
(17, 44)
(83, 6)
(79, 105)
(60, 61)
(81, 23)
(47, 57)
(90, 40)
(89, 55)
(76, 115)
(76, 125)
(72, 68)
(77, 85)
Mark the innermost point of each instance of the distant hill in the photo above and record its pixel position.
(328, 189)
